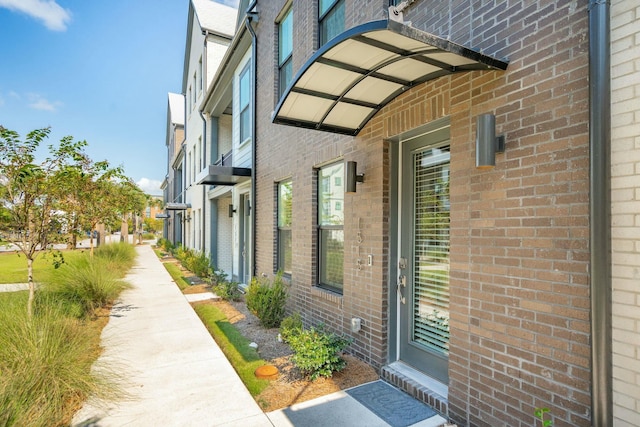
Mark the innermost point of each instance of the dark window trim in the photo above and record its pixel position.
(279, 260)
(245, 70)
(320, 228)
(322, 17)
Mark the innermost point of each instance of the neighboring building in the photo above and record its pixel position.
(227, 178)
(172, 185)
(625, 197)
(360, 160)
(210, 28)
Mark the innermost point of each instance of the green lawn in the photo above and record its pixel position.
(13, 267)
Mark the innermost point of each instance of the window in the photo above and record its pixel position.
(201, 83)
(331, 19)
(285, 252)
(245, 118)
(330, 227)
(285, 49)
(194, 90)
(190, 99)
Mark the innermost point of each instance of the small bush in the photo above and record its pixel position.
(228, 291)
(196, 262)
(199, 264)
(217, 276)
(148, 236)
(317, 353)
(165, 244)
(267, 300)
(291, 326)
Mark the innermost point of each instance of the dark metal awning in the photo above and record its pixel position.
(177, 206)
(348, 80)
(223, 175)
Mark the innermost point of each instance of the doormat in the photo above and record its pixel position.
(392, 405)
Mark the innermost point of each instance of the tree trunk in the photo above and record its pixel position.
(32, 287)
(91, 243)
(124, 230)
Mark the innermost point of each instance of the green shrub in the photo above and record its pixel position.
(267, 300)
(217, 276)
(85, 285)
(45, 363)
(198, 263)
(291, 326)
(317, 353)
(228, 291)
(165, 244)
(148, 236)
(181, 253)
(120, 256)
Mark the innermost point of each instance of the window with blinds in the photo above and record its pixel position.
(431, 249)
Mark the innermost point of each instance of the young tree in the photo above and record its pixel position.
(90, 196)
(30, 193)
(129, 199)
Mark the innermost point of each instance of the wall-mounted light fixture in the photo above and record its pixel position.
(487, 143)
(352, 177)
(232, 210)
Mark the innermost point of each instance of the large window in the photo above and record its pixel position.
(285, 49)
(331, 19)
(245, 110)
(284, 227)
(330, 227)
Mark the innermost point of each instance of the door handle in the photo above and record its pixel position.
(402, 283)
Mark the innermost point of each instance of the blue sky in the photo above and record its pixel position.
(97, 70)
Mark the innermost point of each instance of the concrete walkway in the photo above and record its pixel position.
(178, 376)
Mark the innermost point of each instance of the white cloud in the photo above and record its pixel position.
(150, 186)
(52, 15)
(37, 102)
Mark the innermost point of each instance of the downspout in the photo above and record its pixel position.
(183, 196)
(600, 212)
(252, 16)
(204, 142)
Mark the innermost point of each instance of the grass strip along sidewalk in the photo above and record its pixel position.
(244, 359)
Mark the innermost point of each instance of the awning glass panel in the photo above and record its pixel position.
(349, 79)
(333, 81)
(373, 90)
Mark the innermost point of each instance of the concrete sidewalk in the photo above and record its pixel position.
(177, 375)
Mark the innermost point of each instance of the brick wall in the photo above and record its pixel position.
(625, 197)
(519, 233)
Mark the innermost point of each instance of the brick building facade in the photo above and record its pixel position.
(519, 233)
(479, 288)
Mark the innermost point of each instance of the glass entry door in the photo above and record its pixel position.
(245, 238)
(423, 268)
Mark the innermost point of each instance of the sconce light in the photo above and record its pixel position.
(231, 211)
(487, 143)
(247, 207)
(352, 177)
